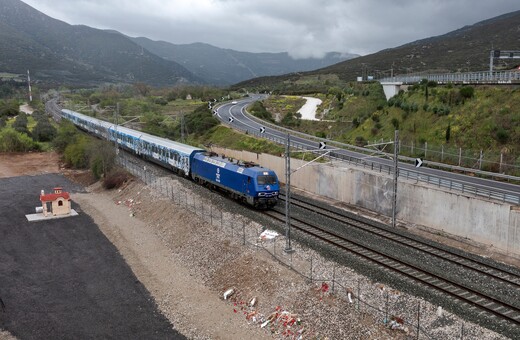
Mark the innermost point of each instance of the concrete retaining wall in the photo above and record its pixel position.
(481, 220)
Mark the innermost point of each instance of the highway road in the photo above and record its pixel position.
(234, 114)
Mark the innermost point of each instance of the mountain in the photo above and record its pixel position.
(462, 50)
(225, 66)
(57, 52)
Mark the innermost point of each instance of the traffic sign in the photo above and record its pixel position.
(214, 112)
(262, 129)
(231, 119)
(418, 162)
(323, 145)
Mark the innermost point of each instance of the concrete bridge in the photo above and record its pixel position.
(393, 85)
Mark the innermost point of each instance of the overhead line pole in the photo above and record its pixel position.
(288, 248)
(396, 174)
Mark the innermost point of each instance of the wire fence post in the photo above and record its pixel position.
(243, 232)
(460, 156)
(386, 309)
(418, 318)
(358, 295)
(333, 276)
(311, 268)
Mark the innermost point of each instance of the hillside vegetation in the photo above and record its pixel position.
(443, 123)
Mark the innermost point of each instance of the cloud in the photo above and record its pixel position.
(304, 28)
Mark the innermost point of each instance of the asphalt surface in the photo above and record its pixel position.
(62, 278)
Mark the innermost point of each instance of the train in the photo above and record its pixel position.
(244, 181)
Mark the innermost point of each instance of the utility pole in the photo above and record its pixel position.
(182, 127)
(396, 174)
(116, 113)
(288, 248)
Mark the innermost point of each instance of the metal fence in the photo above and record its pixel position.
(469, 159)
(351, 289)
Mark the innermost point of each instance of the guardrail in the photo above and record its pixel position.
(442, 182)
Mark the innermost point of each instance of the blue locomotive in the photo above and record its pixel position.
(247, 182)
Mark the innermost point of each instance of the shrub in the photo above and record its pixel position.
(20, 123)
(395, 123)
(201, 120)
(66, 134)
(76, 154)
(14, 141)
(467, 92)
(160, 101)
(502, 136)
(258, 110)
(360, 141)
(44, 131)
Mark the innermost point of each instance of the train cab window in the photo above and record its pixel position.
(248, 180)
(266, 179)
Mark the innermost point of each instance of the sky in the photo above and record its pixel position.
(303, 28)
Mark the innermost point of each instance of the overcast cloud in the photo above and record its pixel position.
(304, 28)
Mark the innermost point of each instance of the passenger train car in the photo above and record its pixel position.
(250, 183)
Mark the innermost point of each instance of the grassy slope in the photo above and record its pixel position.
(488, 121)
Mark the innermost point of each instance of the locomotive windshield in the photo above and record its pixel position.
(269, 179)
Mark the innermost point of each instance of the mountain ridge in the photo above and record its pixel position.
(461, 50)
(231, 66)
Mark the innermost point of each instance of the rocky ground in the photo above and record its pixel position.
(189, 259)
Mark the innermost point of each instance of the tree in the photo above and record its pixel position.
(76, 154)
(102, 156)
(142, 89)
(20, 123)
(44, 131)
(67, 134)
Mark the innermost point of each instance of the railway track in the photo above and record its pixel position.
(458, 289)
(475, 264)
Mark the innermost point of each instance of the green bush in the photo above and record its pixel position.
(395, 123)
(467, 92)
(20, 123)
(14, 141)
(258, 110)
(201, 120)
(76, 154)
(44, 131)
(66, 134)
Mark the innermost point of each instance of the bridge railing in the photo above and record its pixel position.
(462, 77)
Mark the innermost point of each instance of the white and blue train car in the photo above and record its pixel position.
(167, 153)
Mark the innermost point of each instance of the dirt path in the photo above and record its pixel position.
(34, 163)
(184, 299)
